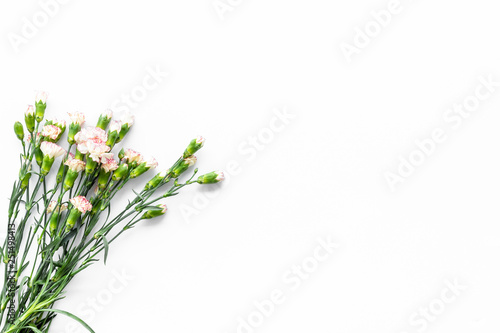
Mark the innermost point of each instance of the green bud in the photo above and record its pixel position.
(73, 216)
(194, 146)
(156, 180)
(121, 172)
(211, 177)
(103, 179)
(124, 130)
(78, 155)
(74, 128)
(70, 179)
(90, 166)
(104, 119)
(19, 130)
(155, 211)
(29, 118)
(46, 165)
(121, 154)
(60, 173)
(25, 180)
(40, 106)
(183, 165)
(38, 156)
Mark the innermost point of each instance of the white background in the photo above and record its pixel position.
(320, 175)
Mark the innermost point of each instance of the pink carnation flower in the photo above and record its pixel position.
(110, 165)
(51, 149)
(81, 203)
(128, 119)
(30, 111)
(77, 118)
(151, 163)
(51, 131)
(191, 160)
(220, 176)
(115, 125)
(75, 165)
(133, 156)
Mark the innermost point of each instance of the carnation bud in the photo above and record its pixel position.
(156, 180)
(104, 119)
(194, 146)
(211, 178)
(40, 105)
(183, 165)
(77, 119)
(127, 122)
(19, 130)
(29, 118)
(155, 211)
(121, 154)
(25, 177)
(143, 167)
(80, 205)
(38, 156)
(121, 172)
(113, 133)
(103, 179)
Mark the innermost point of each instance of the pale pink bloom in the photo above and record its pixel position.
(108, 113)
(106, 157)
(110, 165)
(95, 134)
(200, 140)
(133, 156)
(70, 157)
(75, 165)
(51, 206)
(115, 125)
(30, 111)
(96, 150)
(51, 149)
(220, 176)
(77, 118)
(28, 137)
(151, 163)
(51, 131)
(128, 119)
(41, 96)
(63, 207)
(60, 123)
(191, 160)
(163, 208)
(81, 203)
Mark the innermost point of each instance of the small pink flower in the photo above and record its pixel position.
(200, 140)
(110, 165)
(51, 131)
(41, 96)
(191, 160)
(75, 165)
(106, 157)
(96, 150)
(77, 118)
(51, 149)
(30, 111)
(220, 176)
(133, 156)
(51, 206)
(163, 208)
(115, 125)
(63, 207)
(151, 163)
(81, 203)
(128, 119)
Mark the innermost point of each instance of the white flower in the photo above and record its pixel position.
(115, 125)
(95, 134)
(133, 156)
(110, 165)
(191, 160)
(51, 149)
(51, 206)
(128, 119)
(108, 113)
(95, 150)
(63, 207)
(220, 176)
(151, 163)
(81, 203)
(41, 96)
(51, 131)
(75, 165)
(77, 118)
(106, 157)
(30, 111)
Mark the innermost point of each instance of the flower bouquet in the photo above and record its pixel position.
(57, 230)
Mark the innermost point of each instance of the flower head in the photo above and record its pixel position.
(51, 206)
(193, 146)
(51, 132)
(132, 156)
(51, 149)
(41, 96)
(151, 163)
(77, 118)
(30, 111)
(108, 113)
(110, 165)
(211, 177)
(191, 160)
(128, 119)
(115, 125)
(81, 203)
(75, 165)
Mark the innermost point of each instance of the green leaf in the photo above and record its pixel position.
(106, 248)
(72, 316)
(36, 330)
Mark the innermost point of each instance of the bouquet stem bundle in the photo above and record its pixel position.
(55, 232)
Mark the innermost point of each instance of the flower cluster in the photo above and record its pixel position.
(76, 224)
